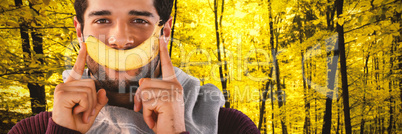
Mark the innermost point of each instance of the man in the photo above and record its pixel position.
(166, 101)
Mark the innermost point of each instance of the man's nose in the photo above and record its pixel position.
(120, 38)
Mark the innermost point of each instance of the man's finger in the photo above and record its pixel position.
(137, 101)
(80, 98)
(85, 85)
(148, 118)
(166, 63)
(148, 83)
(79, 65)
(88, 101)
(101, 100)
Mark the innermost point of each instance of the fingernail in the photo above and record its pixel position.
(166, 39)
(93, 112)
(140, 81)
(88, 119)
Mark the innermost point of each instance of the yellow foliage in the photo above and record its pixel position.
(372, 37)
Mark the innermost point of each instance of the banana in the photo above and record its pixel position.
(122, 60)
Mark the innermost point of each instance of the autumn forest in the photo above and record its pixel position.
(292, 66)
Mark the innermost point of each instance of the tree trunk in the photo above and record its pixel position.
(345, 87)
(332, 64)
(37, 92)
(221, 73)
(265, 97)
(374, 69)
(262, 109)
(24, 35)
(379, 107)
(366, 73)
(382, 125)
(173, 25)
(398, 39)
(272, 105)
(339, 117)
(226, 75)
(330, 16)
(395, 19)
(306, 126)
(400, 80)
(280, 98)
(311, 69)
(376, 128)
(306, 101)
(316, 116)
(376, 74)
(391, 114)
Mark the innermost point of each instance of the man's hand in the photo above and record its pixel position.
(162, 100)
(76, 103)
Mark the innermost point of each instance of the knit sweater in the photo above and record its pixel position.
(230, 121)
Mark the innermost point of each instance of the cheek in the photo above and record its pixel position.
(92, 65)
(90, 61)
(93, 30)
(141, 34)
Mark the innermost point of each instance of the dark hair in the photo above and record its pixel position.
(163, 7)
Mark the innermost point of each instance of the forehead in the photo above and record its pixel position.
(118, 7)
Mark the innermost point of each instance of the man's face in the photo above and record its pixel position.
(120, 24)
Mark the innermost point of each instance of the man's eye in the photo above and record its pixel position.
(102, 21)
(140, 21)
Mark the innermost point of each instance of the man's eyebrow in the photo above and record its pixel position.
(99, 13)
(141, 13)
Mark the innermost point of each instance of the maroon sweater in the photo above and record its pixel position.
(230, 121)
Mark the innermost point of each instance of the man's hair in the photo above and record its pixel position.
(163, 7)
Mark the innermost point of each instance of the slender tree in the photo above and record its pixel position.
(262, 108)
(311, 71)
(307, 119)
(272, 106)
(391, 99)
(332, 61)
(307, 122)
(274, 50)
(218, 40)
(172, 35)
(344, 77)
(225, 65)
(397, 19)
(366, 73)
(339, 117)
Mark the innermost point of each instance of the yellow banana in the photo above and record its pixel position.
(122, 60)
